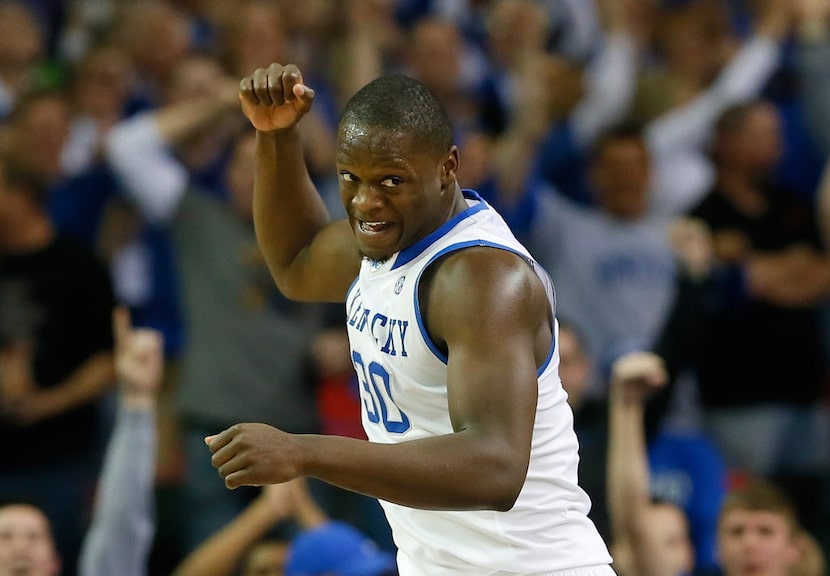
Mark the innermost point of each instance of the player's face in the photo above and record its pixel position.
(26, 544)
(755, 543)
(394, 192)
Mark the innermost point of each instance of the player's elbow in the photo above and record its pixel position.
(289, 290)
(297, 287)
(506, 504)
(290, 284)
(497, 467)
(505, 492)
(504, 482)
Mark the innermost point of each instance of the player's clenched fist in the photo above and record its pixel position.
(253, 454)
(275, 98)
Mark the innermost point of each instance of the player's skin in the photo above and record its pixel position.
(485, 307)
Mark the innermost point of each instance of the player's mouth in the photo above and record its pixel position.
(376, 238)
(372, 227)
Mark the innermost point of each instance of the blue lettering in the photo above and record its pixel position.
(402, 326)
(354, 304)
(378, 319)
(364, 318)
(382, 328)
(389, 347)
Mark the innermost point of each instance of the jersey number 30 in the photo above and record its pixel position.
(376, 394)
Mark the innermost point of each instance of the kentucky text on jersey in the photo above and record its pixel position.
(389, 333)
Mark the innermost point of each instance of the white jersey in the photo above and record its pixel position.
(403, 386)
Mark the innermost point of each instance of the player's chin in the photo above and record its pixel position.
(377, 246)
(376, 255)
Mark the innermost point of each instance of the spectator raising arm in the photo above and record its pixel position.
(222, 553)
(813, 66)
(639, 528)
(677, 139)
(121, 534)
(140, 149)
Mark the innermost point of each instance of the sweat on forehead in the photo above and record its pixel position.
(398, 104)
(377, 138)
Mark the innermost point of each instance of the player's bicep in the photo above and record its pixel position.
(324, 270)
(486, 311)
(492, 385)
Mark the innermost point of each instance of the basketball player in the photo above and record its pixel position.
(452, 329)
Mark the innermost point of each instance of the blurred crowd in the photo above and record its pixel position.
(663, 159)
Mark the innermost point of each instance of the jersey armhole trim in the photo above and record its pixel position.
(454, 248)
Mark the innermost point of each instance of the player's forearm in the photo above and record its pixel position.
(460, 471)
(288, 211)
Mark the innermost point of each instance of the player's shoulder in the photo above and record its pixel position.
(482, 271)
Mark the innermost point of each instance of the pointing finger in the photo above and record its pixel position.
(218, 441)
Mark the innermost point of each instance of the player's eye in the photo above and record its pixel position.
(391, 181)
(348, 177)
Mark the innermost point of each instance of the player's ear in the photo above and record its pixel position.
(449, 168)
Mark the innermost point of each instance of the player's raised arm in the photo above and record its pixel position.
(310, 257)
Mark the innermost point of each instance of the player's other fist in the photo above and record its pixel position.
(275, 98)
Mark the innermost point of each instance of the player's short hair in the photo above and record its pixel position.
(758, 495)
(401, 104)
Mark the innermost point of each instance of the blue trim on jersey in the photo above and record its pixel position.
(546, 363)
(416, 304)
(471, 194)
(351, 287)
(407, 255)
